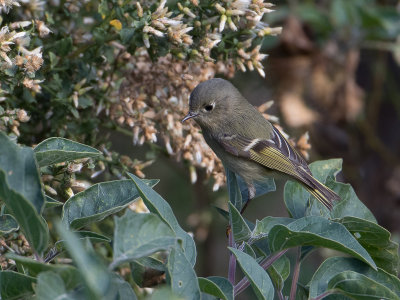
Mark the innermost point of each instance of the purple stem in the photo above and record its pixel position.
(232, 260)
(322, 296)
(280, 295)
(296, 273)
(38, 257)
(265, 264)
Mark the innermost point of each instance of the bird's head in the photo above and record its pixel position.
(212, 102)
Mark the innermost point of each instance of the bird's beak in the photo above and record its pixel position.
(189, 116)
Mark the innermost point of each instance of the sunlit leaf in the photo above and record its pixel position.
(99, 201)
(139, 235)
(57, 150)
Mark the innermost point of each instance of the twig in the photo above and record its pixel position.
(232, 259)
(323, 295)
(280, 295)
(3, 243)
(38, 257)
(296, 273)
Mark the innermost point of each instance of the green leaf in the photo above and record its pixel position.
(21, 172)
(50, 286)
(376, 240)
(15, 285)
(302, 292)
(8, 224)
(150, 235)
(142, 267)
(262, 187)
(157, 205)
(317, 231)
(121, 289)
(238, 189)
(222, 212)
(358, 286)
(50, 202)
(279, 272)
(95, 275)
(336, 265)
(183, 278)
(235, 196)
(241, 231)
(57, 150)
(350, 205)
(21, 191)
(166, 293)
(300, 203)
(248, 250)
(126, 34)
(264, 226)
(258, 277)
(99, 201)
(68, 274)
(219, 287)
(296, 196)
(92, 236)
(63, 47)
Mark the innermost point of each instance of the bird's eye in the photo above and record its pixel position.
(209, 107)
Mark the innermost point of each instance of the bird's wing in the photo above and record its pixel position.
(275, 153)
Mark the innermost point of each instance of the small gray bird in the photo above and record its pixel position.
(246, 142)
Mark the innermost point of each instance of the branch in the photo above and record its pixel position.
(232, 259)
(296, 273)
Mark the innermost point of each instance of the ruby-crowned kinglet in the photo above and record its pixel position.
(246, 142)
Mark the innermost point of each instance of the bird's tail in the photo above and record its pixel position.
(323, 194)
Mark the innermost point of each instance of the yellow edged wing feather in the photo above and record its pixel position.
(277, 154)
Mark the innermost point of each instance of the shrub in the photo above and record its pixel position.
(154, 243)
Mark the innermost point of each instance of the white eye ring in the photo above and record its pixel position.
(209, 107)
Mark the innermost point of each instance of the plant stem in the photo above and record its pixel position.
(296, 273)
(265, 264)
(232, 259)
(323, 295)
(38, 257)
(280, 295)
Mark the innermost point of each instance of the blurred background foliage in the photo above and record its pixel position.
(85, 74)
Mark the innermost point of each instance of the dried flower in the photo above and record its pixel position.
(23, 116)
(32, 84)
(7, 4)
(43, 29)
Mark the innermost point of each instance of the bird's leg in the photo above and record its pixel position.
(251, 193)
